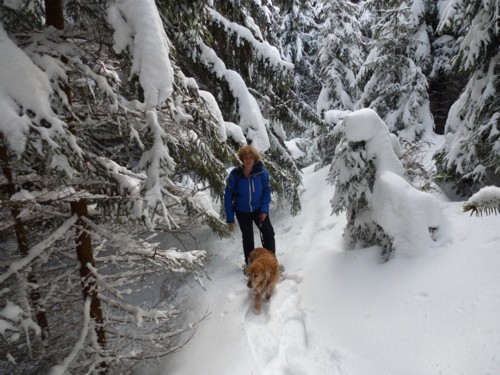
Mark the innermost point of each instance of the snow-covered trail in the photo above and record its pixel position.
(281, 340)
(233, 340)
(342, 312)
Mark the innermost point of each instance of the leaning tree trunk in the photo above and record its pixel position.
(22, 239)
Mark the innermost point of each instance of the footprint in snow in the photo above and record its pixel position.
(292, 351)
(279, 339)
(265, 331)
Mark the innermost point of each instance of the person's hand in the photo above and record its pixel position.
(230, 226)
(263, 216)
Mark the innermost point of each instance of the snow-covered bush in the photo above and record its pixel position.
(382, 207)
(326, 138)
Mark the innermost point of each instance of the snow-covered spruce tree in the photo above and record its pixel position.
(298, 39)
(471, 155)
(252, 84)
(445, 83)
(299, 42)
(392, 79)
(102, 147)
(382, 208)
(353, 174)
(341, 55)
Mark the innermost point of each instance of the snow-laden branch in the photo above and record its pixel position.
(102, 83)
(37, 199)
(214, 109)
(138, 313)
(157, 340)
(138, 28)
(149, 336)
(129, 183)
(479, 29)
(63, 367)
(251, 119)
(134, 249)
(485, 201)
(39, 248)
(158, 166)
(25, 105)
(14, 320)
(265, 51)
(474, 106)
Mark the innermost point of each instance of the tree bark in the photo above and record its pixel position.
(22, 240)
(85, 257)
(54, 14)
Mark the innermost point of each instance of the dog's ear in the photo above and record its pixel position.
(251, 257)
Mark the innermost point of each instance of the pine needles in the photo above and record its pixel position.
(484, 208)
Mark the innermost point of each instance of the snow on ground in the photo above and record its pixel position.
(340, 311)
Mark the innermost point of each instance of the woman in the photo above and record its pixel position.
(248, 195)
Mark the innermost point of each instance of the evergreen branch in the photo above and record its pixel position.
(485, 208)
(63, 367)
(38, 249)
(486, 201)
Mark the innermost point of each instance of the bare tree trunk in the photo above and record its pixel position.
(54, 15)
(86, 257)
(22, 240)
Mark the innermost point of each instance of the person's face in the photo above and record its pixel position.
(248, 160)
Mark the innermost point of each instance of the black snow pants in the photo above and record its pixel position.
(245, 221)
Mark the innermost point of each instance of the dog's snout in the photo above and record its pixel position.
(249, 283)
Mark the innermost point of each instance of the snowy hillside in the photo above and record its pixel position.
(345, 312)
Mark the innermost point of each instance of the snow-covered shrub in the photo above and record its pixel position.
(383, 208)
(327, 137)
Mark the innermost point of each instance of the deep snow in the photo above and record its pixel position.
(339, 311)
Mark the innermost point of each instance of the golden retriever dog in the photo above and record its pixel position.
(263, 274)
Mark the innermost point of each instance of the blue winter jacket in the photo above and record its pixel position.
(247, 194)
